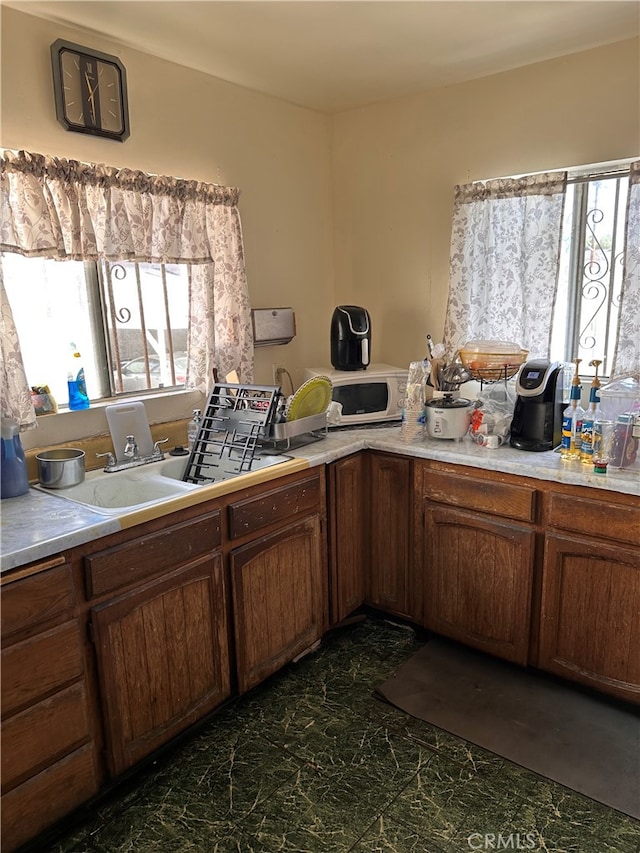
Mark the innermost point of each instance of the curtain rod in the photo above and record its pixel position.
(574, 176)
(594, 176)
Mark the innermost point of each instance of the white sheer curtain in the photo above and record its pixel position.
(505, 250)
(626, 358)
(67, 210)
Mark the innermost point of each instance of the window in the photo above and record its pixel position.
(591, 266)
(129, 322)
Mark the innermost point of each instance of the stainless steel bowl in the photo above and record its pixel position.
(60, 468)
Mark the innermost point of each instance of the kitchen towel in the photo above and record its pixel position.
(584, 741)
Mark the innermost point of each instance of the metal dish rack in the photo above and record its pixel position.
(238, 421)
(235, 419)
(297, 433)
(489, 375)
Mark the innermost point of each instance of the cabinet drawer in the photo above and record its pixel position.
(595, 517)
(36, 667)
(503, 499)
(34, 600)
(281, 504)
(33, 806)
(150, 555)
(42, 734)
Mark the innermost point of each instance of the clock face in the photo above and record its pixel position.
(90, 91)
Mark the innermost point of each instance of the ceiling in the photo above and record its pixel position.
(332, 55)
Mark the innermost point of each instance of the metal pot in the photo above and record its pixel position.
(60, 468)
(448, 417)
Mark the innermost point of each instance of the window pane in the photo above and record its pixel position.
(52, 305)
(590, 279)
(146, 315)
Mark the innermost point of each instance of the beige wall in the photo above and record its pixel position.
(188, 124)
(395, 166)
(350, 208)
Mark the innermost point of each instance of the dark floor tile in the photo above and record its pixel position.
(315, 813)
(388, 836)
(570, 822)
(449, 798)
(201, 793)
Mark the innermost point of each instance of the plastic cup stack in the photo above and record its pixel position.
(412, 428)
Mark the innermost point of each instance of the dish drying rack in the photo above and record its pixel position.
(289, 434)
(236, 422)
(235, 418)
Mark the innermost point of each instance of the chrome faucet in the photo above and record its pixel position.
(130, 451)
(132, 456)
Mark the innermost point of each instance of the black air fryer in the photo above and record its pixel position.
(537, 416)
(350, 338)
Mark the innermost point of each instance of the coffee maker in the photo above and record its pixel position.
(537, 416)
(350, 338)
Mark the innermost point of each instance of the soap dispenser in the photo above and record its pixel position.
(13, 473)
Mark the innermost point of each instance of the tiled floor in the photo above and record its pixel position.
(311, 763)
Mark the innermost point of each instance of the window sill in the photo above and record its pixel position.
(67, 426)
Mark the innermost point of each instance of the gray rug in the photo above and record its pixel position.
(588, 743)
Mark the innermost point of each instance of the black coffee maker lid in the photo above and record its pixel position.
(356, 316)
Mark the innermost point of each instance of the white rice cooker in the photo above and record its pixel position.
(448, 416)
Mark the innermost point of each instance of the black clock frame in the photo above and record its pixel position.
(88, 55)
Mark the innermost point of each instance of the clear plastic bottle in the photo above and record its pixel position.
(572, 420)
(78, 398)
(193, 428)
(591, 415)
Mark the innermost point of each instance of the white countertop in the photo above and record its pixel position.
(540, 466)
(36, 525)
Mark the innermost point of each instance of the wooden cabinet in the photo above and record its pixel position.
(477, 583)
(477, 567)
(348, 539)
(277, 584)
(590, 609)
(162, 646)
(392, 579)
(278, 577)
(48, 755)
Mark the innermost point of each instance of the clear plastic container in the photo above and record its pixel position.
(620, 404)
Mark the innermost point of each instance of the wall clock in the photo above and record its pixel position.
(90, 91)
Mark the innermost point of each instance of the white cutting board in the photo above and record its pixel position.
(129, 419)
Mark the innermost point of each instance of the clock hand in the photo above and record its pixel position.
(91, 96)
(91, 90)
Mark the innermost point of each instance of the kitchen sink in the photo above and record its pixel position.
(146, 485)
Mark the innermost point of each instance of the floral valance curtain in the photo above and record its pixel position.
(505, 250)
(64, 209)
(626, 359)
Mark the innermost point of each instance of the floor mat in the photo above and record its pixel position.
(587, 743)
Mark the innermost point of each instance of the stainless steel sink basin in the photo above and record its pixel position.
(137, 488)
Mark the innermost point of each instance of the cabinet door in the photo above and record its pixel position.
(590, 618)
(478, 574)
(163, 658)
(391, 580)
(348, 526)
(278, 599)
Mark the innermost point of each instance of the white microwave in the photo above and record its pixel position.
(366, 396)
